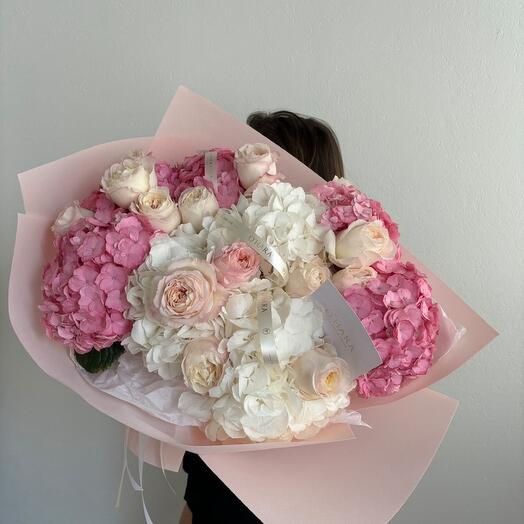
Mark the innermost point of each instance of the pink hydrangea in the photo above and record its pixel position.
(190, 173)
(345, 204)
(83, 288)
(402, 320)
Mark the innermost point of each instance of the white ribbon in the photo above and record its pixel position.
(210, 167)
(266, 337)
(137, 486)
(163, 469)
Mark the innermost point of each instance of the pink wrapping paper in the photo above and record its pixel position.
(413, 426)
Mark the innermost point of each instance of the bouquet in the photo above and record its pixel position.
(218, 300)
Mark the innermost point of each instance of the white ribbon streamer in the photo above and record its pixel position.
(163, 469)
(137, 486)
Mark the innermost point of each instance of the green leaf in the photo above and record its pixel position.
(98, 360)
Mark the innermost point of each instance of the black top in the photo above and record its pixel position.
(209, 499)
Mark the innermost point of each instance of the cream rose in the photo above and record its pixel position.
(185, 293)
(125, 180)
(306, 277)
(68, 217)
(319, 374)
(203, 364)
(349, 276)
(360, 244)
(156, 205)
(195, 203)
(253, 161)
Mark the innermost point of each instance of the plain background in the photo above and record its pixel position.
(426, 98)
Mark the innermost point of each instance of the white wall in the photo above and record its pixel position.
(426, 99)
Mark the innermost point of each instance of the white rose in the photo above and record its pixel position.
(360, 244)
(253, 161)
(349, 276)
(156, 205)
(68, 217)
(203, 364)
(195, 203)
(306, 277)
(127, 179)
(319, 374)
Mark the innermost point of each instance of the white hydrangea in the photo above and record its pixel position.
(285, 217)
(261, 403)
(258, 401)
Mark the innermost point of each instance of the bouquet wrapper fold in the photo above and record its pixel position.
(334, 477)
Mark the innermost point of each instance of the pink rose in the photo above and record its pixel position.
(236, 264)
(186, 293)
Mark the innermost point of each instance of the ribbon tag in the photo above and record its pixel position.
(345, 331)
(210, 167)
(267, 252)
(268, 347)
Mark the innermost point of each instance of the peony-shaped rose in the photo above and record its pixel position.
(349, 276)
(69, 216)
(185, 293)
(236, 264)
(158, 208)
(203, 363)
(195, 203)
(360, 244)
(306, 277)
(127, 179)
(254, 161)
(317, 373)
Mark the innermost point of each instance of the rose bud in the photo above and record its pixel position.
(68, 217)
(349, 276)
(254, 161)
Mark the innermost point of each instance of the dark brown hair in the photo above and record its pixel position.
(309, 139)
